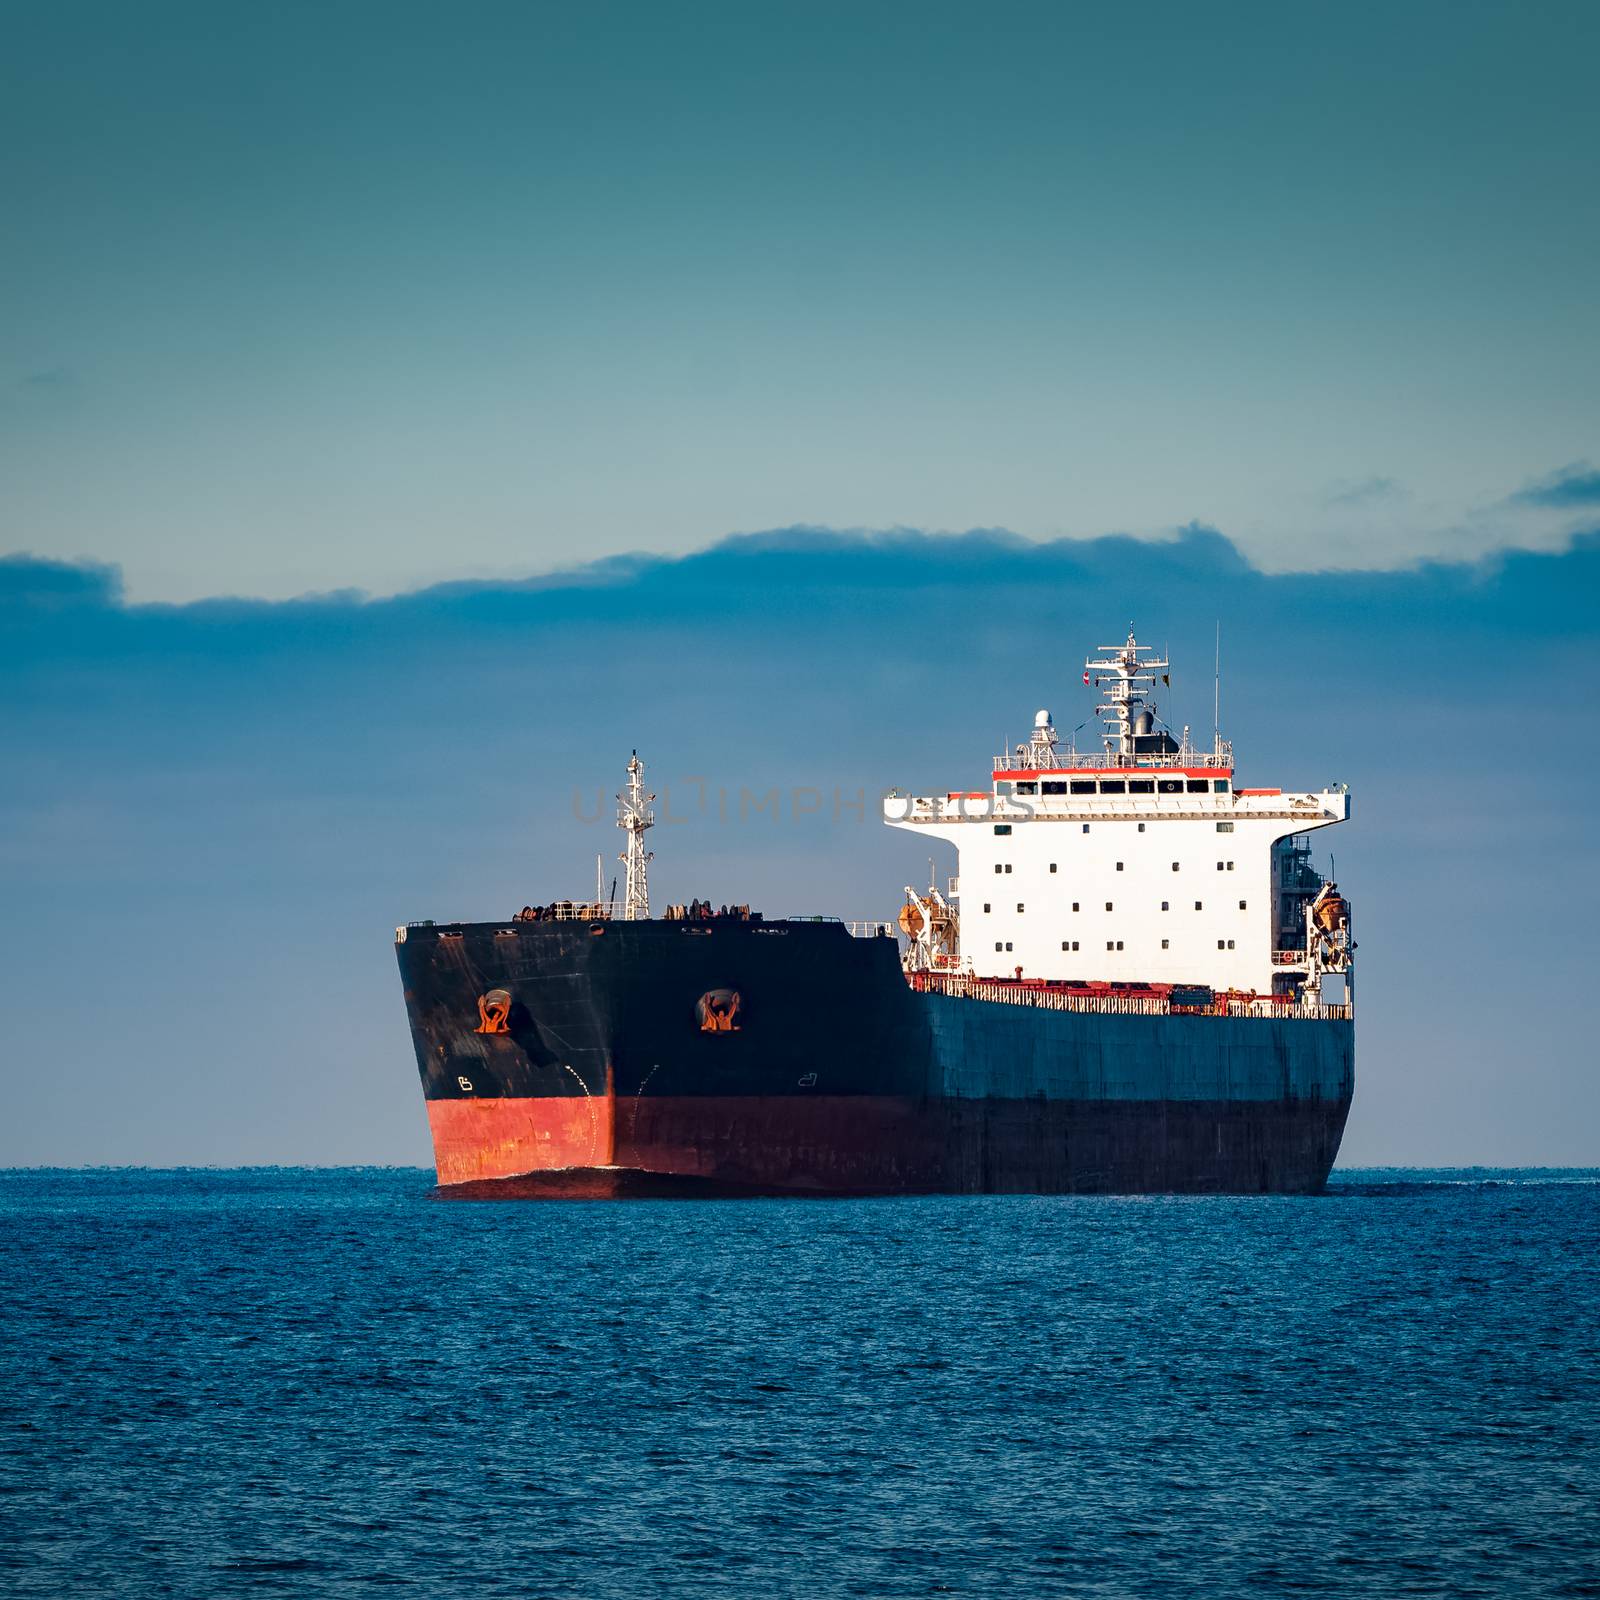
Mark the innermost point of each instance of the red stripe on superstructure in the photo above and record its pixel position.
(1258, 791)
(1117, 772)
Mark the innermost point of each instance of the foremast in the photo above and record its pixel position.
(634, 816)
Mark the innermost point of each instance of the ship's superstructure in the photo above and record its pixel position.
(1138, 864)
(1125, 987)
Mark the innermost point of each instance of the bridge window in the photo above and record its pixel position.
(1171, 786)
(1141, 786)
(1196, 786)
(1049, 787)
(1222, 786)
(1113, 786)
(1083, 785)
(1027, 788)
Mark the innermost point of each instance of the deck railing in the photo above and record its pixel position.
(1122, 1005)
(576, 911)
(1081, 761)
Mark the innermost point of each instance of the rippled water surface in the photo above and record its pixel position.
(314, 1382)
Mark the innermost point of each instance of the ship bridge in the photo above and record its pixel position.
(1140, 863)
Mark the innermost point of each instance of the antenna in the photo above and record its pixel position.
(1216, 695)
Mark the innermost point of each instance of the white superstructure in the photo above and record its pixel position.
(1138, 864)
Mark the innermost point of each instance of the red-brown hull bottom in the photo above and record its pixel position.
(609, 1146)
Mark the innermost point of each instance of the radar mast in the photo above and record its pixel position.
(1126, 674)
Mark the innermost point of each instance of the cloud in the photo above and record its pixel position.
(830, 576)
(1366, 492)
(1380, 524)
(1570, 488)
(29, 583)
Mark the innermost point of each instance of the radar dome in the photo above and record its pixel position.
(1041, 719)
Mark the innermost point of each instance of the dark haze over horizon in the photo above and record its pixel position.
(218, 811)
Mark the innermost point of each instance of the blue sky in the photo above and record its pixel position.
(301, 296)
(217, 812)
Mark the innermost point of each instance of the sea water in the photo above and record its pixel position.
(334, 1382)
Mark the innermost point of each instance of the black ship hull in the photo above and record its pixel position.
(730, 1056)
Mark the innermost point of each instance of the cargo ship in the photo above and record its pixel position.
(1135, 981)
